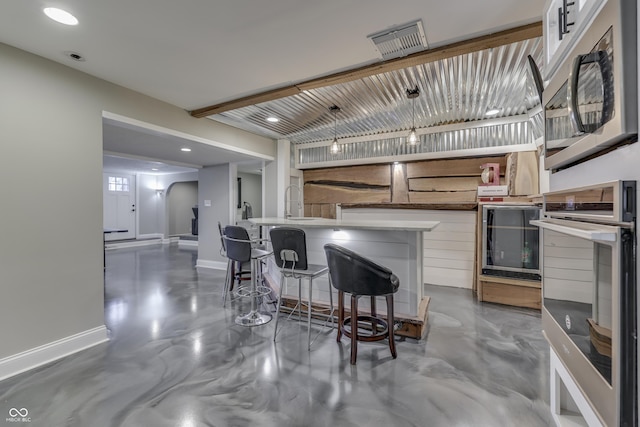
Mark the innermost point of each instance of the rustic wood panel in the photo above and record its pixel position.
(374, 175)
(522, 173)
(445, 184)
(463, 183)
(453, 167)
(442, 197)
(324, 210)
(328, 210)
(316, 193)
(400, 192)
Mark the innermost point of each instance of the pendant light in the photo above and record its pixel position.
(335, 148)
(412, 94)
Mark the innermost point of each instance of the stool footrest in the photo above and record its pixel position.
(246, 291)
(377, 335)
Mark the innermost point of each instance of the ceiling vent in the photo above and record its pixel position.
(400, 41)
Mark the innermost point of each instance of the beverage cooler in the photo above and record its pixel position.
(510, 244)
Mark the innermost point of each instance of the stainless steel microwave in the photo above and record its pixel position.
(591, 100)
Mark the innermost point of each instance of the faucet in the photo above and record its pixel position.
(287, 207)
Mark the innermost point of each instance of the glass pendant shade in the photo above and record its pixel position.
(412, 138)
(412, 94)
(335, 147)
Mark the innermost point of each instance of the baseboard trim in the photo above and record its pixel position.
(132, 244)
(189, 243)
(151, 236)
(27, 360)
(215, 265)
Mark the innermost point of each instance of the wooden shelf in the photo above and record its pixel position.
(519, 293)
(510, 281)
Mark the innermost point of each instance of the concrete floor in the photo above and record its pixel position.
(176, 358)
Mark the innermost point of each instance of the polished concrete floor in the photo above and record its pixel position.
(176, 358)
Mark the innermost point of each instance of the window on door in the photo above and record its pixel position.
(118, 183)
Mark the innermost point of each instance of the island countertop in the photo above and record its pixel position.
(312, 222)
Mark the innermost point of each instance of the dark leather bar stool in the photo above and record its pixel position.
(240, 249)
(356, 275)
(236, 272)
(290, 253)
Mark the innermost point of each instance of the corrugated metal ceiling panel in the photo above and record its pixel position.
(455, 90)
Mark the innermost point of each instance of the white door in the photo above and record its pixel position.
(119, 206)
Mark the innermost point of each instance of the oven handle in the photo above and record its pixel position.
(602, 59)
(583, 230)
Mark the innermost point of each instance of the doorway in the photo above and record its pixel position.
(119, 205)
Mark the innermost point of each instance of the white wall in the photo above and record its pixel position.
(215, 184)
(51, 277)
(449, 250)
(252, 193)
(165, 182)
(181, 197)
(149, 205)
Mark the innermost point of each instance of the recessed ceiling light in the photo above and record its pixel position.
(185, 149)
(154, 169)
(273, 119)
(61, 16)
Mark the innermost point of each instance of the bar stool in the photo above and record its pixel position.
(239, 249)
(290, 253)
(235, 271)
(359, 276)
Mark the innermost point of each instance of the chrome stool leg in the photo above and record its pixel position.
(254, 317)
(227, 283)
(275, 330)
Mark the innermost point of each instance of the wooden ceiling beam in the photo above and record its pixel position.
(501, 38)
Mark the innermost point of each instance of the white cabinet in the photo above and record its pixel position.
(564, 22)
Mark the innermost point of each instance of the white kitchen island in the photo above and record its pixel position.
(397, 245)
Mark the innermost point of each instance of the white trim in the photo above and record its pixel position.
(157, 159)
(131, 244)
(170, 240)
(22, 362)
(188, 243)
(151, 236)
(215, 265)
(425, 131)
(558, 372)
(469, 152)
(173, 132)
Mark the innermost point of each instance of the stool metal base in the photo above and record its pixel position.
(253, 318)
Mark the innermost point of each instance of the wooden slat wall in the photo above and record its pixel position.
(324, 188)
(422, 182)
(373, 175)
(453, 167)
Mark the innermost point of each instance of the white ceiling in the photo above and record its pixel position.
(198, 53)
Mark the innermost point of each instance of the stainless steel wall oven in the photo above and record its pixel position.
(589, 313)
